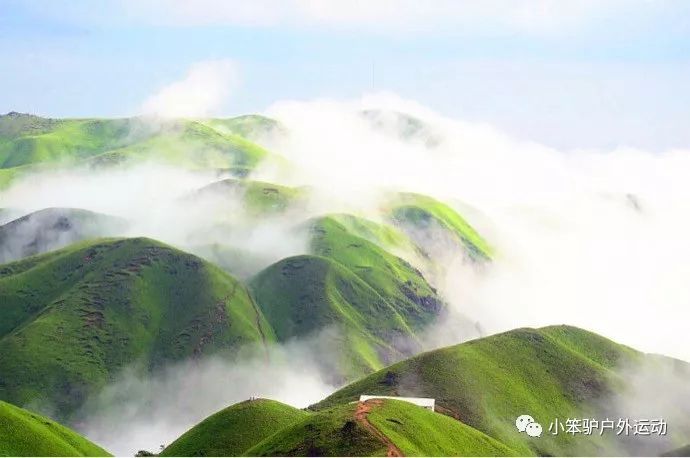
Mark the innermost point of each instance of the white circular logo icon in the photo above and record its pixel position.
(526, 424)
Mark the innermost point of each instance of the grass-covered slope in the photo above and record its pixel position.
(70, 319)
(189, 144)
(258, 198)
(304, 294)
(374, 303)
(436, 226)
(480, 388)
(394, 279)
(53, 228)
(59, 140)
(384, 235)
(13, 124)
(420, 432)
(29, 143)
(333, 432)
(554, 372)
(248, 126)
(379, 428)
(234, 430)
(23, 433)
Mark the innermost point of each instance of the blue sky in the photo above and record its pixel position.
(571, 74)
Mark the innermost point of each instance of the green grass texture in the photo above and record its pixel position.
(232, 431)
(71, 319)
(418, 213)
(551, 372)
(23, 433)
(31, 143)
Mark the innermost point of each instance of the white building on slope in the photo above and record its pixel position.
(427, 403)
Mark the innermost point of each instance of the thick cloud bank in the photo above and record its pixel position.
(596, 239)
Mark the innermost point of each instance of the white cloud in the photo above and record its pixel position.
(143, 411)
(200, 93)
(592, 239)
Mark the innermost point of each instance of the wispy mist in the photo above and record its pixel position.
(142, 412)
(590, 238)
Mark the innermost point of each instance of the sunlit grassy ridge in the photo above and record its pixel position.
(333, 432)
(189, 144)
(248, 126)
(420, 432)
(420, 214)
(480, 388)
(304, 294)
(393, 278)
(413, 430)
(486, 383)
(232, 431)
(99, 306)
(385, 235)
(29, 143)
(373, 302)
(63, 140)
(23, 433)
(71, 319)
(258, 198)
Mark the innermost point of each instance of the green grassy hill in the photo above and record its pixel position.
(247, 126)
(23, 433)
(114, 302)
(384, 235)
(29, 143)
(304, 294)
(234, 430)
(188, 144)
(374, 302)
(258, 198)
(379, 428)
(397, 281)
(435, 226)
(480, 388)
(53, 228)
(554, 372)
(60, 140)
(71, 319)
(333, 432)
(420, 432)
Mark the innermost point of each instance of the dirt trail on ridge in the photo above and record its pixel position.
(363, 409)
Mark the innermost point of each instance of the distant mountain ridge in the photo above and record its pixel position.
(84, 297)
(31, 143)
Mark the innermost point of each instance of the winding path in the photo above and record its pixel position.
(363, 409)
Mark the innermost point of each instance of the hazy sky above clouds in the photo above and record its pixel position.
(569, 74)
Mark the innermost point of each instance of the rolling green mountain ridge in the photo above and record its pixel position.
(23, 433)
(480, 388)
(245, 266)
